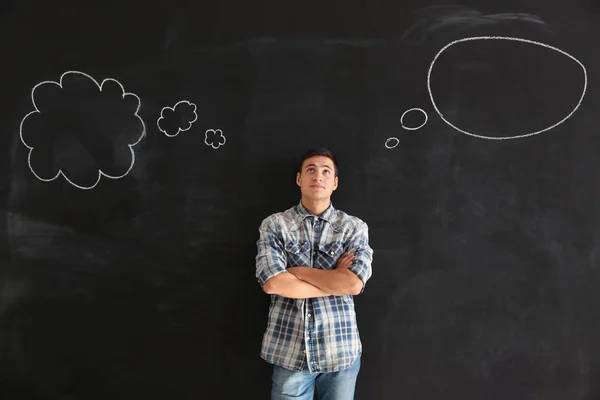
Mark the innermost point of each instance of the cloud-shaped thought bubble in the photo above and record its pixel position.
(214, 138)
(178, 118)
(81, 130)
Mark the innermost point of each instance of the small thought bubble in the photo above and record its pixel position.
(392, 142)
(178, 118)
(81, 130)
(416, 127)
(214, 138)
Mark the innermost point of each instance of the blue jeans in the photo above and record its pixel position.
(301, 385)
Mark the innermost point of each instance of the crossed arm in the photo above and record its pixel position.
(299, 282)
(306, 282)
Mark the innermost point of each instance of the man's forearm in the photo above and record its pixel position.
(290, 286)
(337, 281)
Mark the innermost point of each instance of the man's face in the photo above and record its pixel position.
(317, 178)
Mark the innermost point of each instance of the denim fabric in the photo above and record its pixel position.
(302, 385)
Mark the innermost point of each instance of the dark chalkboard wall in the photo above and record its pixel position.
(484, 223)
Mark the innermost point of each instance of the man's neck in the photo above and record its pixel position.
(316, 207)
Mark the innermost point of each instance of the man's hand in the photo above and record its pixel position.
(345, 260)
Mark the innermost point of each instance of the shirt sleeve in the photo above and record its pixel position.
(271, 258)
(358, 243)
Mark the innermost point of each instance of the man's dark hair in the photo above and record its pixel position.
(319, 152)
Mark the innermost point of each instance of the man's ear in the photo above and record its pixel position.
(335, 183)
(298, 178)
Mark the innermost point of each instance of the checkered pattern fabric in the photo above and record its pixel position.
(322, 330)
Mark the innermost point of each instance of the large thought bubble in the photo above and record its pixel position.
(504, 38)
(81, 130)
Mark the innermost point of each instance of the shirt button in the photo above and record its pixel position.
(308, 315)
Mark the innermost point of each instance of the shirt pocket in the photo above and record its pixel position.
(298, 253)
(328, 255)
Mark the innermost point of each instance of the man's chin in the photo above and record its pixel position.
(315, 197)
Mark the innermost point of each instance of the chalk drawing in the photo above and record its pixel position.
(100, 86)
(392, 142)
(214, 138)
(415, 128)
(184, 106)
(517, 40)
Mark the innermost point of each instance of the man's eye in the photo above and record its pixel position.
(327, 171)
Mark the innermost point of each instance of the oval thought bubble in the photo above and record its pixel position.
(508, 39)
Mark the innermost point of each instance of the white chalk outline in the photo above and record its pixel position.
(392, 138)
(418, 127)
(214, 131)
(100, 173)
(173, 109)
(504, 38)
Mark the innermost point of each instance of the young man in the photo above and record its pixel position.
(312, 259)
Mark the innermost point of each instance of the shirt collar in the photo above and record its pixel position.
(326, 216)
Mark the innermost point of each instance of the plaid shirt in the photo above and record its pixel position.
(321, 330)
